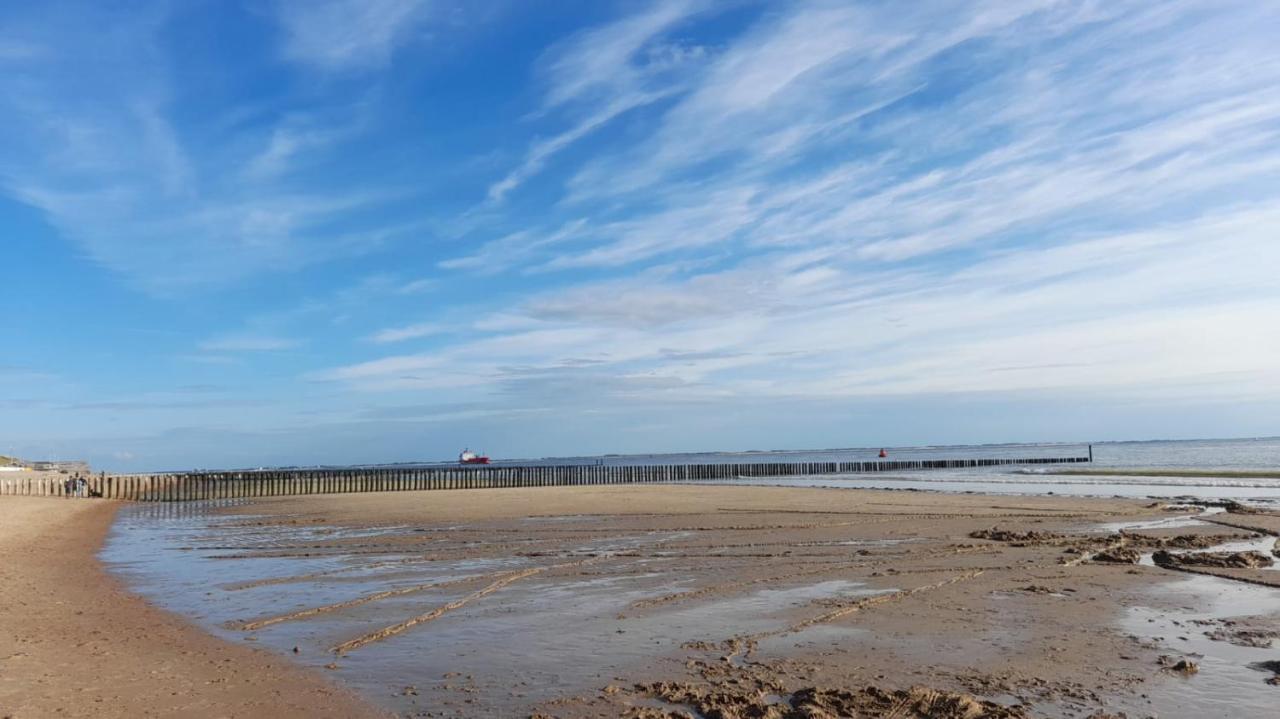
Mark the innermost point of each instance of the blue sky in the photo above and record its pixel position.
(243, 233)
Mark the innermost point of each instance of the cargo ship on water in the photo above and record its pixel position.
(469, 457)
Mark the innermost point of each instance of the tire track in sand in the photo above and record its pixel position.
(326, 608)
(748, 642)
(730, 587)
(394, 629)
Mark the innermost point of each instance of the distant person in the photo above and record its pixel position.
(82, 487)
(68, 486)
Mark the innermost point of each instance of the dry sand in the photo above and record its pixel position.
(73, 643)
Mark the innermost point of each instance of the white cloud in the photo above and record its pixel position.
(409, 332)
(518, 249)
(349, 34)
(1175, 308)
(285, 146)
(543, 150)
(1070, 130)
(610, 70)
(850, 202)
(601, 61)
(417, 286)
(101, 155)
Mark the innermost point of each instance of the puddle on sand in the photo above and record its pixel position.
(1264, 545)
(1226, 685)
(857, 542)
(535, 639)
(1177, 522)
(559, 518)
(549, 639)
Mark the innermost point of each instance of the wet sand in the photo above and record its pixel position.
(74, 643)
(688, 601)
(677, 601)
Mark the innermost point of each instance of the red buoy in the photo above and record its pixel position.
(883, 454)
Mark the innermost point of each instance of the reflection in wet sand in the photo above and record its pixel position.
(478, 611)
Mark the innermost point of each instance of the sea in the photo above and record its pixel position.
(1214, 461)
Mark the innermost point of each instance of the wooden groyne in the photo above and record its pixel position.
(190, 486)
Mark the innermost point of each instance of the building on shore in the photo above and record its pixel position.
(14, 464)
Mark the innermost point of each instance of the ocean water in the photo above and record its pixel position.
(1207, 456)
(1261, 454)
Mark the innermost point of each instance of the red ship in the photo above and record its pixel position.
(469, 457)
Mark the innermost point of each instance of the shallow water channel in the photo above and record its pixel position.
(1227, 685)
(1176, 615)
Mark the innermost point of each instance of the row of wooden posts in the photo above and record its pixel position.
(190, 486)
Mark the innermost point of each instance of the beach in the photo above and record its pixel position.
(75, 643)
(637, 601)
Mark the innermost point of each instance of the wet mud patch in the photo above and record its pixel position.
(764, 702)
(1242, 632)
(1220, 560)
(1192, 617)
(1271, 667)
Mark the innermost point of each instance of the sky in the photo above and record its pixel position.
(254, 233)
